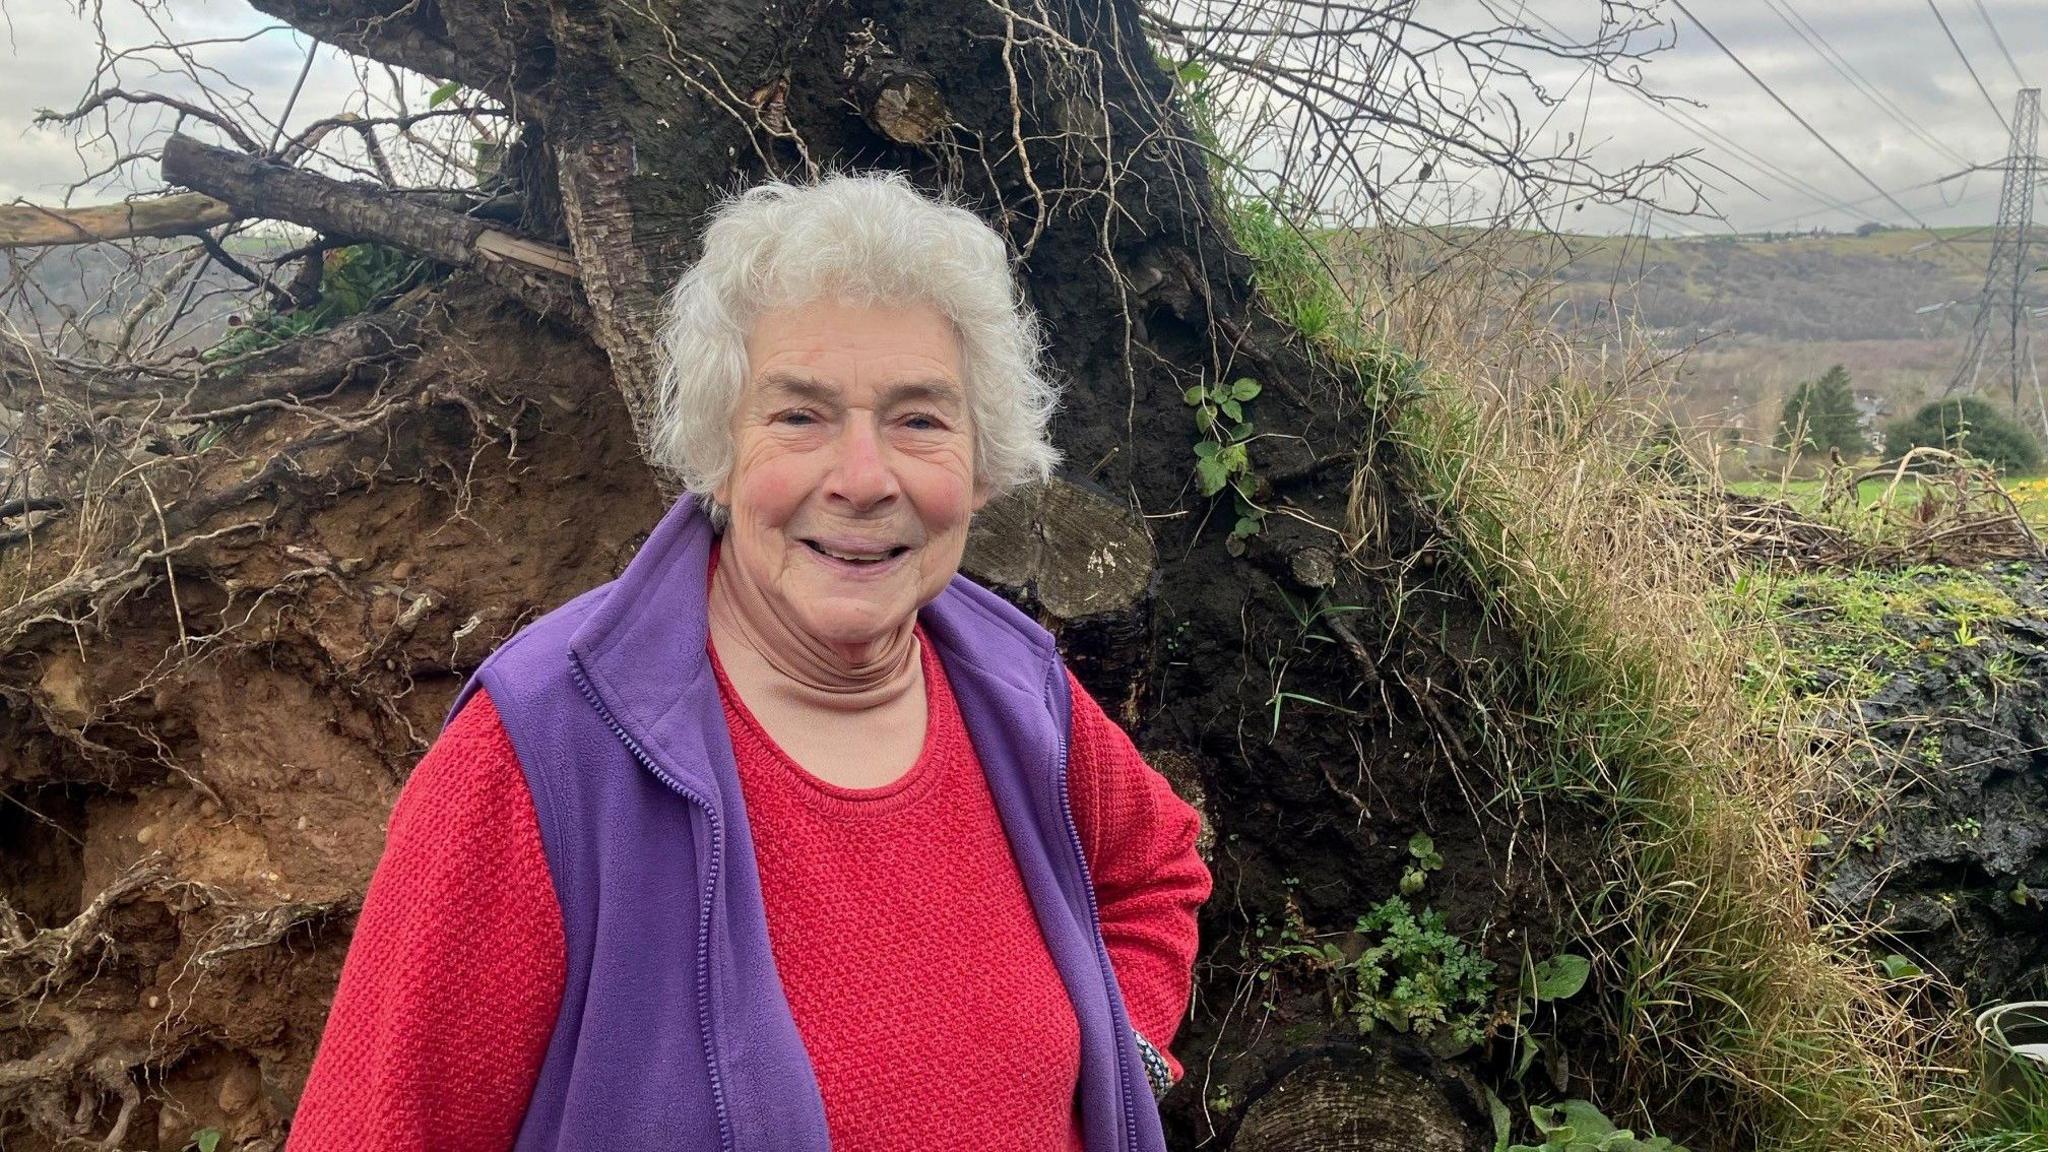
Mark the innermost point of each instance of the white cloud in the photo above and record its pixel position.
(1896, 44)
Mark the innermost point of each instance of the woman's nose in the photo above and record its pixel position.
(861, 474)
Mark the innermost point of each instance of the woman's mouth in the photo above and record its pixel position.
(859, 554)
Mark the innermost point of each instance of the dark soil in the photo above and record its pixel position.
(1952, 857)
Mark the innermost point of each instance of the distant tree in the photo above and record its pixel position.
(1969, 425)
(1821, 414)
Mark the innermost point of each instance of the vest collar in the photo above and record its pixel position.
(643, 648)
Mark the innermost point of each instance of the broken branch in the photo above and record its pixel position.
(30, 226)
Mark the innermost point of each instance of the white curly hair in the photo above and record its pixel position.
(861, 239)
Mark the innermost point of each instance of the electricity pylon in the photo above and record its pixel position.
(1997, 348)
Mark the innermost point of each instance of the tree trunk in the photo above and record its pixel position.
(211, 725)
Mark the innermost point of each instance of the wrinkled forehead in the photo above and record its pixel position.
(783, 384)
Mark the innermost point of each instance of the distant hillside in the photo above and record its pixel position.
(1763, 313)
(1797, 288)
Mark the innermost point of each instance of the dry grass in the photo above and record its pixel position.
(1734, 987)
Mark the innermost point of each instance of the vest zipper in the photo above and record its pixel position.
(1056, 682)
(725, 1137)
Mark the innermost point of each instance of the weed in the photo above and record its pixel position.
(1223, 458)
(354, 279)
(1424, 859)
(1398, 968)
(1419, 977)
(1577, 1126)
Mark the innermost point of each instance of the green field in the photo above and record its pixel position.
(2030, 493)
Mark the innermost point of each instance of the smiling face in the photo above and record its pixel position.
(853, 474)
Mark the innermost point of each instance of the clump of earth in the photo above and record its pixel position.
(1946, 850)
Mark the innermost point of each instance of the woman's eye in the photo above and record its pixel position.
(799, 418)
(922, 423)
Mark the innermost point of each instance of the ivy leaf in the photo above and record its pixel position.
(1210, 475)
(1246, 526)
(1897, 967)
(1244, 389)
(1245, 486)
(1194, 395)
(1205, 418)
(1241, 430)
(206, 1139)
(1206, 449)
(1234, 458)
(1562, 976)
(1231, 409)
(440, 96)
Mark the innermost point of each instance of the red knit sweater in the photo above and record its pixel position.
(906, 945)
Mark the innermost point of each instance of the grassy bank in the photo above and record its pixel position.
(1727, 985)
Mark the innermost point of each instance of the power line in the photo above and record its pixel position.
(1835, 60)
(2000, 41)
(1709, 135)
(1851, 204)
(1965, 58)
(1975, 198)
(1790, 111)
(1762, 164)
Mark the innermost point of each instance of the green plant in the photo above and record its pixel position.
(1424, 859)
(352, 280)
(205, 1140)
(1577, 1126)
(1223, 457)
(1970, 426)
(1398, 968)
(1897, 967)
(1550, 981)
(1419, 977)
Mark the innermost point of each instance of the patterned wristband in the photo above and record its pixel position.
(1156, 1069)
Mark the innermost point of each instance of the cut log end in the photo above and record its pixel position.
(903, 104)
(1368, 1100)
(1082, 554)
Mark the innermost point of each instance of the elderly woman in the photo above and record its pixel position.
(790, 837)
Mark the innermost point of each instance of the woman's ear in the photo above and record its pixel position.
(982, 492)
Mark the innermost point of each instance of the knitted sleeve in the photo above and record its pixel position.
(1139, 838)
(449, 993)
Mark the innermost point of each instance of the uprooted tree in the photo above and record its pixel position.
(242, 587)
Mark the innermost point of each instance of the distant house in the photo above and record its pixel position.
(1871, 412)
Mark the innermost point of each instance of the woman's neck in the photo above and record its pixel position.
(775, 665)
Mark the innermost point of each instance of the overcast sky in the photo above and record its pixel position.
(1896, 45)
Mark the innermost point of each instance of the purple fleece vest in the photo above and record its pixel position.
(673, 1031)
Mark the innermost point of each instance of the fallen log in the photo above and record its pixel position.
(258, 187)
